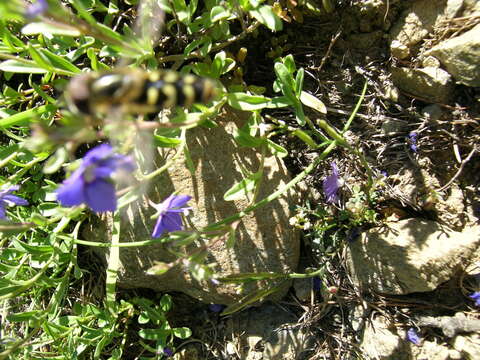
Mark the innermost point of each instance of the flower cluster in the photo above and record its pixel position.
(91, 183)
(7, 199)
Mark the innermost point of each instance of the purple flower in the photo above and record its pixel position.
(91, 183)
(167, 352)
(36, 9)
(412, 140)
(331, 184)
(216, 307)
(413, 336)
(475, 296)
(7, 199)
(169, 218)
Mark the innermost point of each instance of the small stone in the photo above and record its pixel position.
(303, 289)
(391, 126)
(399, 50)
(432, 112)
(431, 61)
(432, 84)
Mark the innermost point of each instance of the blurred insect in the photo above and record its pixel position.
(135, 91)
(130, 90)
(108, 100)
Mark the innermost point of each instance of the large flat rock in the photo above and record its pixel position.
(411, 255)
(265, 241)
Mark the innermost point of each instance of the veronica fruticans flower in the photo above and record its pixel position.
(169, 214)
(413, 336)
(91, 183)
(35, 9)
(7, 199)
(331, 184)
(412, 141)
(476, 297)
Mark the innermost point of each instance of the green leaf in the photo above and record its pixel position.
(182, 332)
(243, 138)
(312, 102)
(243, 188)
(154, 334)
(58, 62)
(25, 117)
(35, 28)
(285, 81)
(276, 149)
(166, 303)
(218, 13)
(164, 141)
(27, 67)
(299, 81)
(267, 17)
(307, 139)
(289, 62)
(244, 101)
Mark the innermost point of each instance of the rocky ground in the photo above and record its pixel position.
(410, 263)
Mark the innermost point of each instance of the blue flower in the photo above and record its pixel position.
(412, 140)
(7, 199)
(216, 307)
(169, 218)
(331, 184)
(413, 336)
(91, 183)
(316, 283)
(476, 297)
(167, 352)
(36, 9)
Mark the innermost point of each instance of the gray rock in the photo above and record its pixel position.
(417, 22)
(382, 342)
(411, 255)
(265, 241)
(468, 345)
(270, 328)
(460, 56)
(432, 112)
(430, 83)
(392, 126)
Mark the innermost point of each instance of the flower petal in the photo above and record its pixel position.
(172, 222)
(179, 201)
(100, 196)
(16, 200)
(71, 193)
(95, 155)
(2, 211)
(167, 223)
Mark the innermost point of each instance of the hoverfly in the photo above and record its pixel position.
(134, 91)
